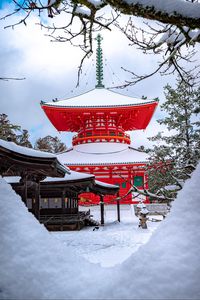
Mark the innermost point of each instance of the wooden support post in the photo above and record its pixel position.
(102, 209)
(37, 200)
(63, 209)
(78, 214)
(24, 195)
(77, 204)
(118, 208)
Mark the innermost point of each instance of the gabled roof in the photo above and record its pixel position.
(15, 160)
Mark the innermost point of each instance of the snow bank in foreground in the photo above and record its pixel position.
(168, 267)
(34, 265)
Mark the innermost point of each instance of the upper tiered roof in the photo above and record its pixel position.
(99, 98)
(132, 113)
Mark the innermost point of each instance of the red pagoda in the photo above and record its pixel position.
(101, 145)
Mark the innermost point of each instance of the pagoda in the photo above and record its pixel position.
(101, 146)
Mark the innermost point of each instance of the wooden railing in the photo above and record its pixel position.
(101, 135)
(65, 218)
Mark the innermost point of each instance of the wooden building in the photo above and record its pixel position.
(53, 200)
(31, 166)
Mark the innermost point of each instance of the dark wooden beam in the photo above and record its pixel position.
(118, 208)
(79, 227)
(24, 192)
(63, 208)
(37, 200)
(102, 209)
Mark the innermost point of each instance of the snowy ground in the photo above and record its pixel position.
(112, 243)
(36, 264)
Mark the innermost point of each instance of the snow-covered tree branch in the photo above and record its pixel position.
(169, 29)
(174, 12)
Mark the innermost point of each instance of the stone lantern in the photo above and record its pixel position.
(143, 218)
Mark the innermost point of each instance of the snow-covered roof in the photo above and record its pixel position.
(102, 153)
(70, 177)
(24, 150)
(106, 185)
(99, 98)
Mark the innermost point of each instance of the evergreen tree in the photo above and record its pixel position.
(50, 144)
(176, 157)
(23, 139)
(8, 130)
(13, 132)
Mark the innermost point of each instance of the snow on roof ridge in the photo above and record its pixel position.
(100, 153)
(109, 105)
(105, 164)
(61, 103)
(108, 89)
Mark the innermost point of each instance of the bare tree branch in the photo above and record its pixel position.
(176, 29)
(11, 78)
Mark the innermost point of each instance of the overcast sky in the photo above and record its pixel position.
(50, 70)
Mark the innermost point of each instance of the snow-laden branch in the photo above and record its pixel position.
(146, 193)
(176, 12)
(177, 27)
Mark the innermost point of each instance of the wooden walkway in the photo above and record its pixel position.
(65, 221)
